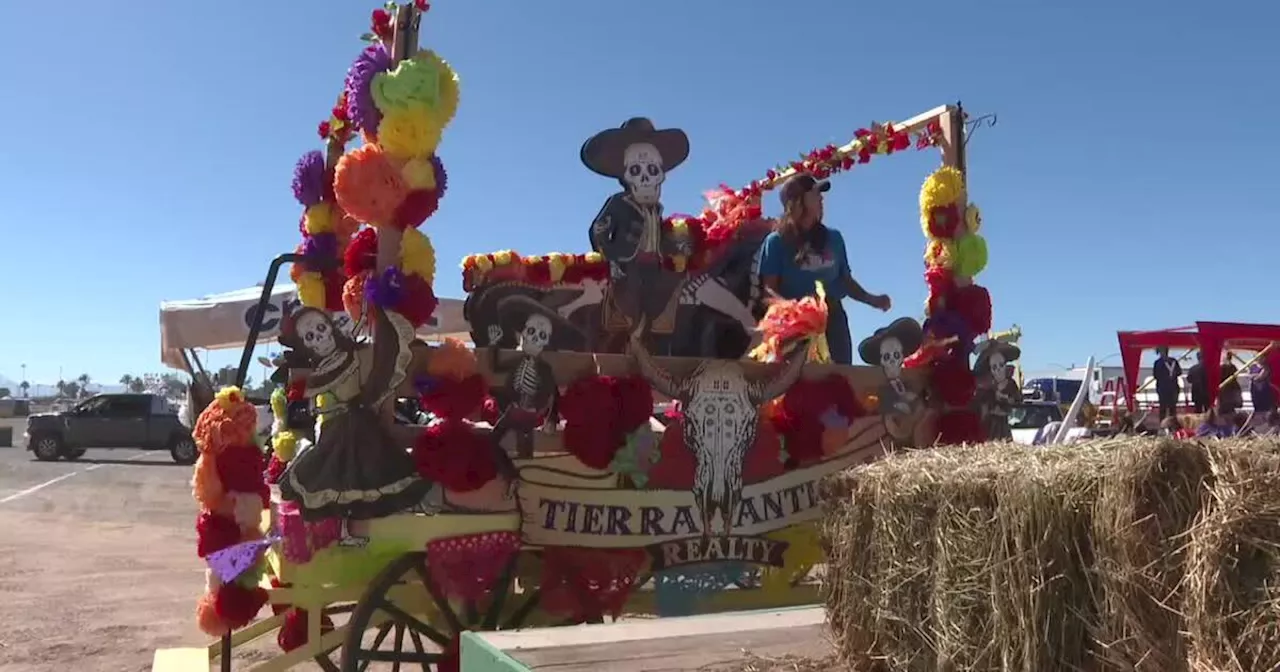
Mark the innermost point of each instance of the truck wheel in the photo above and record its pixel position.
(47, 447)
(183, 450)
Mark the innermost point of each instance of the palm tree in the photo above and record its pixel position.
(62, 388)
(126, 381)
(84, 379)
(24, 386)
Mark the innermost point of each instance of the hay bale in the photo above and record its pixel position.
(965, 539)
(1151, 494)
(1046, 595)
(850, 578)
(1233, 574)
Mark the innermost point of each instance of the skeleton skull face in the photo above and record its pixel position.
(536, 335)
(643, 172)
(316, 333)
(996, 364)
(891, 357)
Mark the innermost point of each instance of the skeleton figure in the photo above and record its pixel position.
(888, 348)
(997, 393)
(721, 409)
(628, 229)
(530, 392)
(644, 174)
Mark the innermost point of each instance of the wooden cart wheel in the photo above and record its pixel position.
(413, 640)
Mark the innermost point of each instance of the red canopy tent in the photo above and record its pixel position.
(1211, 338)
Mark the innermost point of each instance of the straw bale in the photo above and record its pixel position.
(848, 593)
(1046, 596)
(1233, 600)
(1150, 496)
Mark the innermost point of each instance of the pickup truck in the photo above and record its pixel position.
(145, 421)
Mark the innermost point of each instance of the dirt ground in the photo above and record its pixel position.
(97, 561)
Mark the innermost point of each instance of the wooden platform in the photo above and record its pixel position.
(666, 644)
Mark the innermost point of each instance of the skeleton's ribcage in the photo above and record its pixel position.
(525, 381)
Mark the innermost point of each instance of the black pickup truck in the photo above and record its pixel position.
(144, 421)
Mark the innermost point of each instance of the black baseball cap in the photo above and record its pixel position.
(799, 185)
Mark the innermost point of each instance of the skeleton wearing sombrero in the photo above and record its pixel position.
(530, 393)
(997, 392)
(888, 348)
(628, 230)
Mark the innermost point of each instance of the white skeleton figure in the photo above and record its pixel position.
(996, 364)
(536, 335)
(316, 334)
(891, 358)
(644, 174)
(720, 407)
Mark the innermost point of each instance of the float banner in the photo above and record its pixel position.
(754, 550)
(557, 515)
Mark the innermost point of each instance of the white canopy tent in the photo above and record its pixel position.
(223, 321)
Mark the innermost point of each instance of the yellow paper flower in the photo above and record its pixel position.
(285, 445)
(318, 219)
(311, 290)
(228, 397)
(502, 258)
(279, 404)
(594, 258)
(417, 256)
(940, 253)
(484, 263)
(944, 187)
(972, 218)
(556, 264)
(419, 173)
(409, 132)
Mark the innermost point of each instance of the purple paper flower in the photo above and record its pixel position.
(386, 290)
(442, 178)
(945, 324)
(425, 384)
(364, 114)
(320, 247)
(308, 179)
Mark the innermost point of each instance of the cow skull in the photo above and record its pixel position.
(643, 173)
(721, 410)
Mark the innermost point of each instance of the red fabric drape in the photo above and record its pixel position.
(1210, 337)
(1132, 345)
(1217, 336)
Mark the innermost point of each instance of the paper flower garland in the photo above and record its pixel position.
(541, 271)
(229, 486)
(958, 310)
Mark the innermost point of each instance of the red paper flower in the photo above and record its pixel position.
(362, 253)
(635, 402)
(591, 414)
(275, 469)
(240, 468)
(293, 632)
(333, 282)
(951, 379)
(296, 391)
(418, 301)
(323, 130)
(582, 583)
(237, 605)
(973, 303)
(454, 455)
(215, 532)
(456, 399)
(490, 412)
(944, 221)
(417, 206)
(961, 426)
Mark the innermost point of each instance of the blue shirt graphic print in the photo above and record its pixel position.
(798, 280)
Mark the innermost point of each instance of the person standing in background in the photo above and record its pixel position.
(1230, 396)
(1199, 385)
(1167, 372)
(1262, 390)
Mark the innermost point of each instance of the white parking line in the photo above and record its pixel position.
(37, 488)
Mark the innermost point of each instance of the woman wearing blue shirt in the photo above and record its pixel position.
(802, 251)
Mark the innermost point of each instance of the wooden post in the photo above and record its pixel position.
(952, 144)
(404, 39)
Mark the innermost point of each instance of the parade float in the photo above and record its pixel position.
(546, 490)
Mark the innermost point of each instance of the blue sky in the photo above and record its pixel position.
(150, 147)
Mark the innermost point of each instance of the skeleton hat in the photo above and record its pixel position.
(987, 349)
(517, 309)
(905, 329)
(603, 152)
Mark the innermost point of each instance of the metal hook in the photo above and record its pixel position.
(971, 125)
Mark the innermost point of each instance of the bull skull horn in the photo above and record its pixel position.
(765, 391)
(659, 379)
